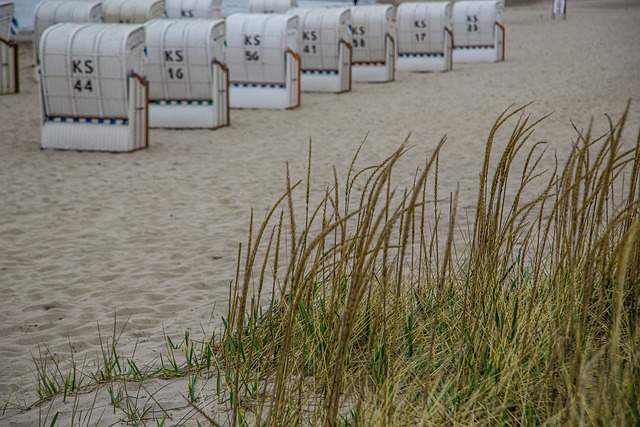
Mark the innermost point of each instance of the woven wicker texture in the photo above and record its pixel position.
(321, 30)
(285, 96)
(179, 57)
(372, 25)
(85, 67)
(425, 36)
(421, 27)
(132, 11)
(185, 9)
(50, 12)
(256, 46)
(93, 97)
(474, 22)
(271, 6)
(185, 63)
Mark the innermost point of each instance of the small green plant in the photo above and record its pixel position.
(50, 379)
(47, 379)
(113, 366)
(115, 396)
(193, 393)
(136, 412)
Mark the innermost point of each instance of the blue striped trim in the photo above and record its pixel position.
(92, 121)
(184, 102)
(421, 55)
(321, 72)
(254, 85)
(369, 64)
(473, 47)
(14, 26)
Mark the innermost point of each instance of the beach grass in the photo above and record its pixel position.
(375, 305)
(378, 322)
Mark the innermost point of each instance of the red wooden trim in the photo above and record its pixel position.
(350, 47)
(450, 61)
(393, 57)
(144, 82)
(297, 57)
(16, 65)
(226, 73)
(503, 38)
(448, 30)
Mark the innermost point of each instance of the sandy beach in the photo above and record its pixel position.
(151, 238)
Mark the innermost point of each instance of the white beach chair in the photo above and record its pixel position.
(478, 33)
(132, 11)
(51, 12)
(325, 49)
(188, 77)
(185, 9)
(263, 61)
(374, 44)
(425, 37)
(559, 7)
(271, 6)
(94, 95)
(9, 68)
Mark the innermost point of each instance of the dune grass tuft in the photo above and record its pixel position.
(380, 311)
(378, 321)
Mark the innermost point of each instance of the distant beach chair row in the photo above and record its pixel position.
(425, 31)
(103, 84)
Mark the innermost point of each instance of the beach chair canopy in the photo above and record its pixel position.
(85, 68)
(180, 53)
(6, 16)
(422, 26)
(132, 11)
(372, 26)
(474, 22)
(24, 15)
(271, 6)
(320, 33)
(257, 45)
(50, 12)
(181, 9)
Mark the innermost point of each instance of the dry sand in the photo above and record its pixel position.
(153, 235)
